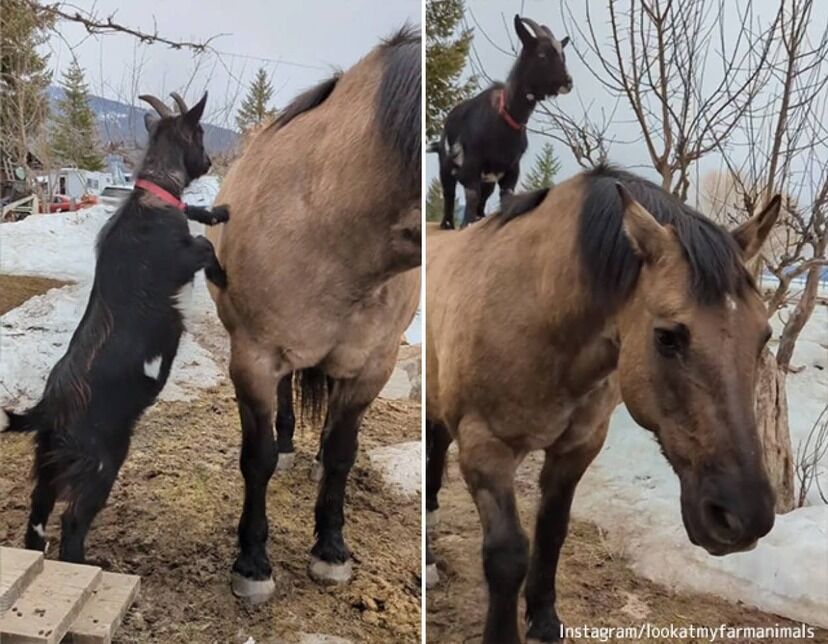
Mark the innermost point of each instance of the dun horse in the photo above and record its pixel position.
(485, 136)
(319, 257)
(609, 290)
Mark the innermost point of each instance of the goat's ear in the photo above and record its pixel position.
(649, 239)
(150, 121)
(194, 115)
(564, 42)
(523, 33)
(752, 234)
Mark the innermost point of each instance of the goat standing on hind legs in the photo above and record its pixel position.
(485, 136)
(120, 355)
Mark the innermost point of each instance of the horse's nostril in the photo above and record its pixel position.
(724, 525)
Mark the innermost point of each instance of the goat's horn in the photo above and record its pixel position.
(539, 33)
(158, 104)
(182, 106)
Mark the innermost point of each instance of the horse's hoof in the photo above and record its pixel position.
(285, 461)
(432, 518)
(432, 577)
(317, 471)
(329, 574)
(256, 591)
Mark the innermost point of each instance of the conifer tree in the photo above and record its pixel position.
(542, 173)
(254, 109)
(74, 135)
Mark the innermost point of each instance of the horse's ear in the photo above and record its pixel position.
(523, 33)
(752, 234)
(150, 121)
(648, 238)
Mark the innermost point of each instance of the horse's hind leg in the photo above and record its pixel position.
(438, 440)
(330, 557)
(488, 465)
(285, 422)
(254, 379)
(559, 477)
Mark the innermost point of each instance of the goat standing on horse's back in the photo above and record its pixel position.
(485, 136)
(119, 357)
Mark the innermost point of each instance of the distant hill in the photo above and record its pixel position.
(122, 123)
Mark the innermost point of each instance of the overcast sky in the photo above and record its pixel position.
(300, 40)
(492, 24)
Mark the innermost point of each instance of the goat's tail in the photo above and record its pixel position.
(434, 146)
(11, 422)
(312, 385)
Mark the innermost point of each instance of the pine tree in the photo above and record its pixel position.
(24, 78)
(542, 174)
(254, 109)
(74, 137)
(446, 54)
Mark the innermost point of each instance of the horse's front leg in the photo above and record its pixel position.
(488, 465)
(254, 379)
(559, 477)
(330, 561)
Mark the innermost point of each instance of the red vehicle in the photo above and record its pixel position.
(60, 203)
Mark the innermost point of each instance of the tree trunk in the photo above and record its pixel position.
(774, 435)
(800, 316)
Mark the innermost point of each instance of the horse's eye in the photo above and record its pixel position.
(671, 341)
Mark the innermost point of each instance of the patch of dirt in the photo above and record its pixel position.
(172, 520)
(595, 587)
(16, 289)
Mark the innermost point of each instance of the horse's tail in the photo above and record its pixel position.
(312, 385)
(434, 146)
(11, 422)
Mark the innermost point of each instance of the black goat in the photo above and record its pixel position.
(120, 355)
(485, 136)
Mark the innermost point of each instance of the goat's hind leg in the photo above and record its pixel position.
(44, 495)
(285, 423)
(87, 496)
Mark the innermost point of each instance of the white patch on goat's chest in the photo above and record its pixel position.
(731, 303)
(153, 367)
(183, 301)
(491, 177)
(38, 527)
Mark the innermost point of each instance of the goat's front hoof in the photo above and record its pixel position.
(432, 577)
(446, 225)
(220, 215)
(256, 591)
(329, 574)
(546, 629)
(286, 461)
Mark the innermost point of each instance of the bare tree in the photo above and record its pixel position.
(687, 77)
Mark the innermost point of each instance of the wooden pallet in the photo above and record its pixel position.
(43, 602)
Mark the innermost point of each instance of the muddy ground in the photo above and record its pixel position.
(595, 586)
(172, 520)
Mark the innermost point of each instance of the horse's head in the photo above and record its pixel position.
(687, 369)
(176, 140)
(541, 65)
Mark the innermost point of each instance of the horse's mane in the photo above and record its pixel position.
(307, 100)
(398, 101)
(716, 267)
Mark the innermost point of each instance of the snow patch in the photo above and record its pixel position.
(399, 466)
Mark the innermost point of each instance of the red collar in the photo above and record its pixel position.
(163, 195)
(501, 109)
